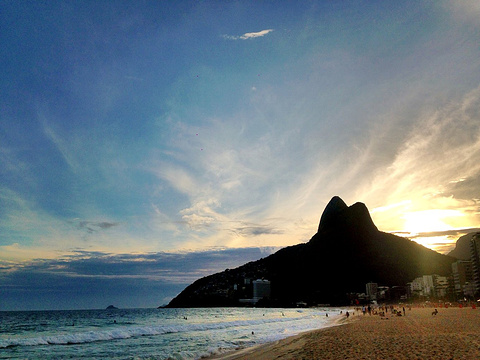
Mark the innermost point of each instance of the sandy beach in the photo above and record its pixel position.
(454, 333)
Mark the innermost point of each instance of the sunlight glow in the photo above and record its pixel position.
(441, 244)
(429, 220)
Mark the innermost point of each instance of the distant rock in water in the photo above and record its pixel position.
(347, 252)
(111, 307)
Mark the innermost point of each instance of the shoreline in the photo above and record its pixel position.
(454, 333)
(252, 352)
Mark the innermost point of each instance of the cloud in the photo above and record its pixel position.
(92, 226)
(464, 188)
(464, 10)
(359, 119)
(62, 145)
(454, 234)
(256, 230)
(255, 34)
(177, 177)
(95, 279)
(250, 35)
(437, 166)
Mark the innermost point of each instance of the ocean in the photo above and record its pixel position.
(149, 333)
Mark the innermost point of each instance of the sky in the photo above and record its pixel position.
(145, 144)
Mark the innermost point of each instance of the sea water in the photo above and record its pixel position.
(149, 333)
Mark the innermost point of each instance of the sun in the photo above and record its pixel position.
(426, 227)
(430, 220)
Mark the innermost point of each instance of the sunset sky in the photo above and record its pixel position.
(145, 144)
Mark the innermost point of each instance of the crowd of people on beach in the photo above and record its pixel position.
(401, 309)
(382, 310)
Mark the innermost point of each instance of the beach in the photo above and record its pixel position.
(454, 333)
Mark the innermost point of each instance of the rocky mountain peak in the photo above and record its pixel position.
(335, 207)
(338, 216)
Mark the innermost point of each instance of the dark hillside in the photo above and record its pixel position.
(347, 252)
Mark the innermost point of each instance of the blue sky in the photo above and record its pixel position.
(130, 130)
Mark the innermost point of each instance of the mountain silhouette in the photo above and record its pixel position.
(347, 252)
(462, 247)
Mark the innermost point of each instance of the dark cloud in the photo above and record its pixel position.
(465, 189)
(93, 226)
(105, 225)
(95, 279)
(255, 230)
(449, 233)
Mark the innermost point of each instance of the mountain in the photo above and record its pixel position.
(347, 252)
(462, 247)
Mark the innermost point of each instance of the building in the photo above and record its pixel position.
(440, 286)
(372, 290)
(427, 286)
(462, 278)
(382, 293)
(475, 258)
(469, 291)
(261, 289)
(416, 287)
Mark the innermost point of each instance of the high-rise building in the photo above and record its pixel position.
(416, 286)
(462, 278)
(261, 289)
(475, 258)
(428, 285)
(440, 284)
(372, 290)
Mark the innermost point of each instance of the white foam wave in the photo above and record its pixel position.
(123, 332)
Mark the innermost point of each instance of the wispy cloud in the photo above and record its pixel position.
(435, 167)
(66, 146)
(177, 177)
(255, 34)
(250, 35)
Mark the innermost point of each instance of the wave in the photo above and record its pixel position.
(123, 332)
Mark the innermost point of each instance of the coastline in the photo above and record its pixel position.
(454, 333)
(256, 351)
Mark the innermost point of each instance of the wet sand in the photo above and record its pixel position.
(454, 333)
